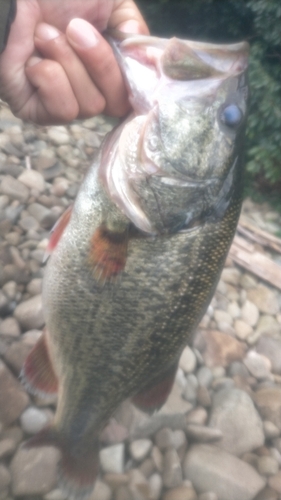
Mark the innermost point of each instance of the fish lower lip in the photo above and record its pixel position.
(187, 183)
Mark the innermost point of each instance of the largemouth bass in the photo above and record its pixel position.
(135, 263)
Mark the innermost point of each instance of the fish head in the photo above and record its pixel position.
(180, 150)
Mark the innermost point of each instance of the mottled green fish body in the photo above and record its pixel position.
(138, 260)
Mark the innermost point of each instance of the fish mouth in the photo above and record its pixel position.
(182, 59)
(155, 69)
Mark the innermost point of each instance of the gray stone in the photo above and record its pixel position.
(15, 355)
(157, 458)
(138, 485)
(271, 348)
(268, 325)
(187, 360)
(268, 401)
(14, 189)
(204, 376)
(202, 433)
(197, 416)
(267, 466)
(58, 135)
(101, 491)
(211, 469)
(231, 275)
(10, 290)
(33, 420)
(203, 396)
(112, 458)
(209, 495)
(175, 403)
(172, 471)
(190, 390)
(264, 298)
(29, 223)
(13, 399)
(45, 217)
(56, 494)
(164, 438)
(250, 313)
(180, 493)
(33, 180)
(34, 470)
(30, 314)
(242, 329)
(271, 431)
(5, 478)
(34, 287)
(7, 447)
(275, 482)
(234, 413)
(258, 365)
(10, 328)
(222, 317)
(140, 449)
(218, 349)
(234, 310)
(155, 486)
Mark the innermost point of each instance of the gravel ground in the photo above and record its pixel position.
(218, 437)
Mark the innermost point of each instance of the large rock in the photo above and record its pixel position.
(211, 469)
(13, 399)
(34, 471)
(30, 314)
(234, 413)
(268, 401)
(219, 349)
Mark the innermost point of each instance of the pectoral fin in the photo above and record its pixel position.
(108, 253)
(38, 373)
(57, 232)
(152, 397)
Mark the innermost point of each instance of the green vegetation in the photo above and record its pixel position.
(259, 22)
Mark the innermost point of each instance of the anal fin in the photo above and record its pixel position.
(38, 373)
(153, 396)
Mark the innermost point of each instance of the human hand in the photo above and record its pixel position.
(57, 66)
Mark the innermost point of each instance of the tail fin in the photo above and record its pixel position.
(78, 467)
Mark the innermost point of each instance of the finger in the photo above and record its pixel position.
(53, 101)
(53, 45)
(98, 58)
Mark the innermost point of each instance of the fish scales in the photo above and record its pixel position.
(134, 266)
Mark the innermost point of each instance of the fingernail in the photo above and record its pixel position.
(81, 33)
(46, 32)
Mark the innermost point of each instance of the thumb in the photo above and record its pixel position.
(135, 27)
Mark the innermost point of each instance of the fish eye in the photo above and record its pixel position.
(231, 115)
